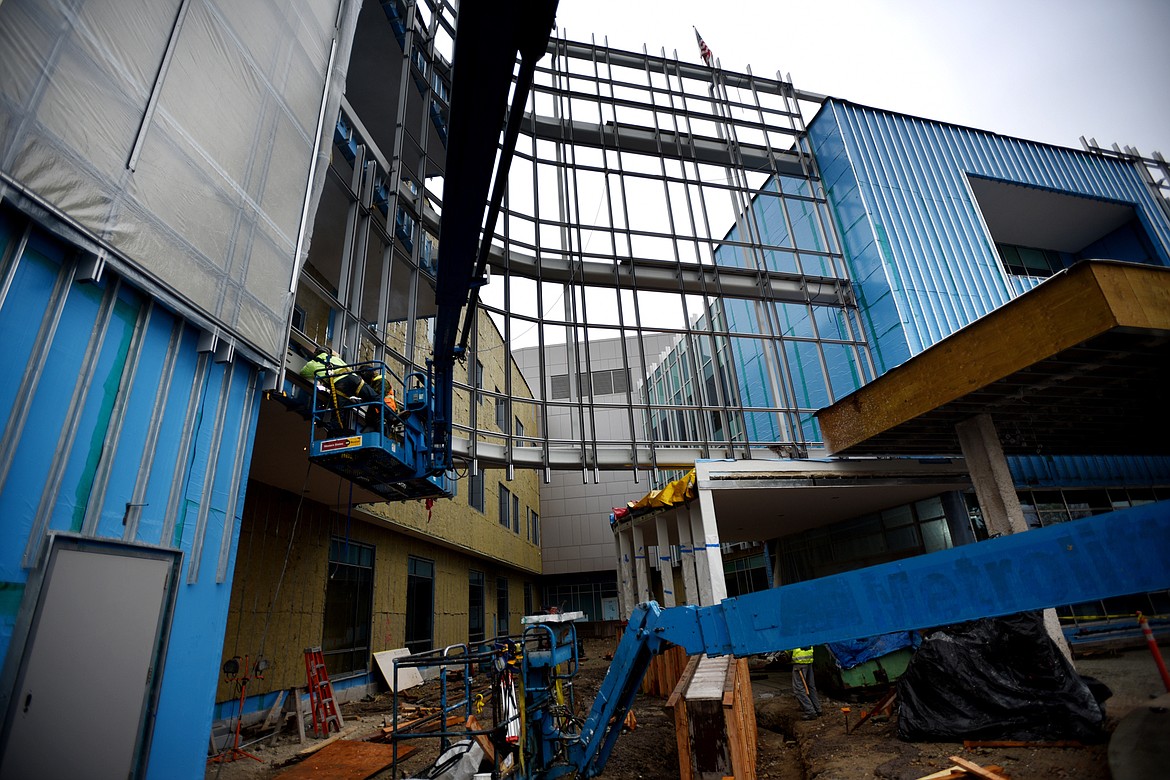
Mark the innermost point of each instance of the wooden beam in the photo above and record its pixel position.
(1090, 299)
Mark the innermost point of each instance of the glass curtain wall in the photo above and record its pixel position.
(654, 201)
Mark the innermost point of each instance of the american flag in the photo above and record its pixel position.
(704, 52)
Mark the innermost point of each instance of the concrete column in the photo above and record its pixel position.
(664, 567)
(708, 556)
(997, 495)
(990, 476)
(641, 570)
(686, 554)
(625, 573)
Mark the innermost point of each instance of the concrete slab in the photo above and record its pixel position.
(1140, 746)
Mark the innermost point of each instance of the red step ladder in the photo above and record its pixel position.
(321, 693)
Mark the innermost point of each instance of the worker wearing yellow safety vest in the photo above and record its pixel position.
(339, 382)
(804, 684)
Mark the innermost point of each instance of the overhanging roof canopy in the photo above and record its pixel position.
(1079, 365)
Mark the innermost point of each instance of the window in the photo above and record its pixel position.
(1028, 261)
(478, 381)
(349, 598)
(515, 513)
(533, 527)
(746, 575)
(519, 431)
(529, 609)
(501, 413)
(605, 382)
(475, 606)
(420, 604)
(560, 386)
(298, 319)
(502, 606)
(475, 491)
(505, 505)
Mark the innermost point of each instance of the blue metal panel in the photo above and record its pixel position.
(909, 176)
(1089, 471)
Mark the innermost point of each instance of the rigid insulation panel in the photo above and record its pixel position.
(920, 253)
(180, 134)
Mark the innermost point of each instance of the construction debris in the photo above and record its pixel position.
(958, 772)
(975, 770)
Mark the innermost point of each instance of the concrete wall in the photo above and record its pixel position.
(576, 534)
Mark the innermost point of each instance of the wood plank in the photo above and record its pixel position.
(975, 769)
(949, 772)
(311, 749)
(1002, 743)
(347, 760)
(296, 692)
(273, 717)
(683, 683)
(678, 705)
(424, 728)
(956, 773)
(483, 740)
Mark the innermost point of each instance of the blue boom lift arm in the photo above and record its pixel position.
(1084, 560)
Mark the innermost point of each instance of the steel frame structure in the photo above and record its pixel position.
(647, 196)
(620, 129)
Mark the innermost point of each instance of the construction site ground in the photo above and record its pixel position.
(789, 747)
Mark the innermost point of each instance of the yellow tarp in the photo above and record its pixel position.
(676, 492)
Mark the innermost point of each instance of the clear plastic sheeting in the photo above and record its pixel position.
(998, 678)
(201, 191)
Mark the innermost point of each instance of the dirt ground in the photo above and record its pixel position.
(789, 748)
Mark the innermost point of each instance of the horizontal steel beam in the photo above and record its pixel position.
(658, 276)
(657, 64)
(664, 143)
(568, 458)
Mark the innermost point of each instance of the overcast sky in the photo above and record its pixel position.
(1045, 70)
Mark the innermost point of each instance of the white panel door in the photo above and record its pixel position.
(77, 707)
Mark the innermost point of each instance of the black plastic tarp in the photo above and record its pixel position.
(998, 678)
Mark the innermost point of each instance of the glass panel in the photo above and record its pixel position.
(936, 535)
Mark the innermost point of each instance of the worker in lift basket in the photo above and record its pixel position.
(804, 684)
(381, 385)
(339, 383)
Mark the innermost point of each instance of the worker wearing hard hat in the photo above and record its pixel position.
(804, 684)
(338, 385)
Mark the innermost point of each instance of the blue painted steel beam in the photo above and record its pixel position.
(1084, 560)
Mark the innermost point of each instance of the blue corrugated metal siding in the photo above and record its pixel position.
(97, 427)
(922, 262)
